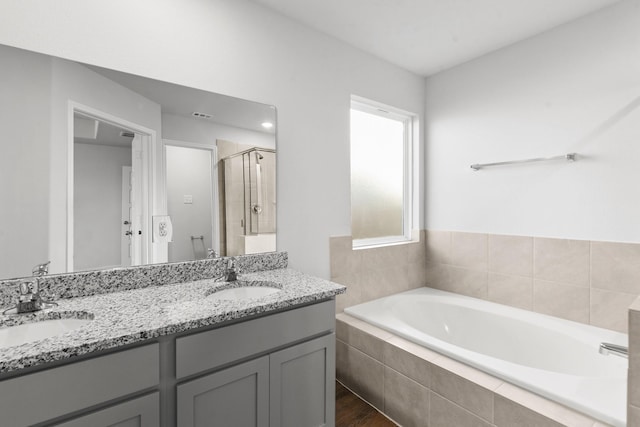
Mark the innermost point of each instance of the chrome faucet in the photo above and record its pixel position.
(617, 350)
(30, 299)
(231, 274)
(41, 269)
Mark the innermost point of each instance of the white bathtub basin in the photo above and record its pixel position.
(34, 331)
(555, 358)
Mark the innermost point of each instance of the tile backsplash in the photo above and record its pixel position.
(585, 281)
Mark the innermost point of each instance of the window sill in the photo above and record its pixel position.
(381, 243)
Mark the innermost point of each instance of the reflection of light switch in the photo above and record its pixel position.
(187, 199)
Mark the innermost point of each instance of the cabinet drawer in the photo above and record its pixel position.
(48, 394)
(206, 350)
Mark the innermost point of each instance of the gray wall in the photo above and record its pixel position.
(24, 161)
(189, 173)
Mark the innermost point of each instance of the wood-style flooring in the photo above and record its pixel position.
(351, 411)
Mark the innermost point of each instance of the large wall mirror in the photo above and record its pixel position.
(104, 169)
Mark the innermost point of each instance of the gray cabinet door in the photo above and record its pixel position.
(302, 384)
(141, 412)
(236, 396)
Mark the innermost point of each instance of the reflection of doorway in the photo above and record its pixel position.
(191, 196)
(103, 148)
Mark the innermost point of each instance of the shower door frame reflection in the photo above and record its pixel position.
(251, 196)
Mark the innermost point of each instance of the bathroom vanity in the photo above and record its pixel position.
(172, 355)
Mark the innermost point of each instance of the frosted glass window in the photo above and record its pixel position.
(379, 175)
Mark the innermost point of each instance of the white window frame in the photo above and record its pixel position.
(408, 119)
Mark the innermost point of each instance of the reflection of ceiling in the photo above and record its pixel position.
(106, 135)
(427, 36)
(183, 101)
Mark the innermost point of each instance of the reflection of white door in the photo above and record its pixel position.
(136, 200)
(125, 236)
(86, 241)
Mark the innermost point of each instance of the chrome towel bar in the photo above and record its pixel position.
(571, 157)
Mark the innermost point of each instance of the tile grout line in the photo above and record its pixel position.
(533, 278)
(590, 280)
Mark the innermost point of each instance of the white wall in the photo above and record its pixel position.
(24, 158)
(97, 219)
(241, 49)
(573, 89)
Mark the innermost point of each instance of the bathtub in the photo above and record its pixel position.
(555, 358)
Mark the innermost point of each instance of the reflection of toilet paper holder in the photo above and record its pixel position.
(199, 252)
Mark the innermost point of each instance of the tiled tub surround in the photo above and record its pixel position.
(371, 273)
(585, 281)
(633, 408)
(415, 386)
(553, 357)
(126, 317)
(592, 282)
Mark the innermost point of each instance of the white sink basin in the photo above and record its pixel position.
(34, 331)
(250, 290)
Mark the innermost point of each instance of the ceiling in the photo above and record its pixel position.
(428, 36)
(102, 133)
(183, 101)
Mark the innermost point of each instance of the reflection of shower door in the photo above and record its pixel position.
(259, 189)
(250, 201)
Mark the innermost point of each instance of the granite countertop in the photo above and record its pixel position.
(131, 316)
